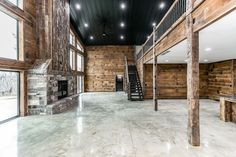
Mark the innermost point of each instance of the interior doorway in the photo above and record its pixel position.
(119, 83)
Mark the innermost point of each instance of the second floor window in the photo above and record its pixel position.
(8, 37)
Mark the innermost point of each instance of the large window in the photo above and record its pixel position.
(79, 47)
(72, 38)
(9, 95)
(77, 60)
(8, 37)
(80, 62)
(80, 83)
(72, 59)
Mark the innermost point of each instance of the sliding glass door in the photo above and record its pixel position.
(9, 95)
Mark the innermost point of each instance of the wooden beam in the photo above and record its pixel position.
(23, 93)
(192, 79)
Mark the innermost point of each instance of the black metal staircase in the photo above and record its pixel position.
(134, 87)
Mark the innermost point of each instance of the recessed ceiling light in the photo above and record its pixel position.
(205, 60)
(122, 6)
(122, 24)
(208, 49)
(162, 5)
(186, 60)
(154, 24)
(78, 6)
(167, 60)
(122, 37)
(91, 37)
(86, 25)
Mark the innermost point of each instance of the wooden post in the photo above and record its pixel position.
(155, 102)
(23, 94)
(192, 79)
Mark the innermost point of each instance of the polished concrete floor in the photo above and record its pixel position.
(107, 125)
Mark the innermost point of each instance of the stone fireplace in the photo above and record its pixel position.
(49, 91)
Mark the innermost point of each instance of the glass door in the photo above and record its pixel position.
(9, 95)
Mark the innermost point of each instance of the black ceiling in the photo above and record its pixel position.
(105, 16)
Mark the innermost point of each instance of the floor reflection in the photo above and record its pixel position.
(8, 139)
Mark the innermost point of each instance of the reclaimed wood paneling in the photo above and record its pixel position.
(220, 79)
(172, 81)
(234, 78)
(103, 63)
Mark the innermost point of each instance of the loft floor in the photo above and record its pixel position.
(107, 124)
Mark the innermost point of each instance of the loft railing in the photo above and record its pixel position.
(178, 9)
(174, 13)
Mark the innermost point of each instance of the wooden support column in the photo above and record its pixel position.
(155, 102)
(192, 79)
(23, 93)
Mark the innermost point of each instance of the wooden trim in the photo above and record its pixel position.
(13, 64)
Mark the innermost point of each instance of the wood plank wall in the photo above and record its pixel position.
(220, 79)
(102, 64)
(215, 80)
(234, 81)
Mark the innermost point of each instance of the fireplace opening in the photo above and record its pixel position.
(62, 89)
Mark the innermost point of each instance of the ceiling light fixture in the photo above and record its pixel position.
(122, 24)
(86, 25)
(208, 49)
(186, 60)
(205, 60)
(78, 6)
(91, 37)
(122, 6)
(154, 24)
(162, 5)
(167, 60)
(122, 37)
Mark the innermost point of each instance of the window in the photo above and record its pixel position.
(79, 63)
(15, 2)
(8, 37)
(80, 83)
(9, 95)
(72, 59)
(72, 38)
(18, 3)
(79, 47)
